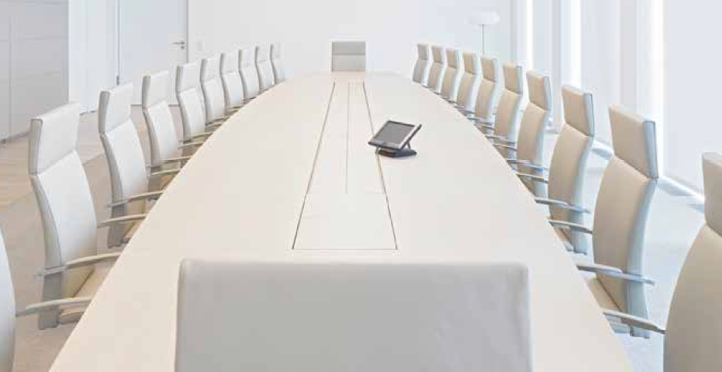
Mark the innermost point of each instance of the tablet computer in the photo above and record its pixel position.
(394, 135)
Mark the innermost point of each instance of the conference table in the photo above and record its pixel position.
(291, 177)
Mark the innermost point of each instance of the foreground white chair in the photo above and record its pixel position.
(470, 83)
(164, 150)
(238, 316)
(453, 75)
(569, 162)
(505, 129)
(73, 269)
(279, 74)
(438, 69)
(489, 93)
(212, 88)
(694, 330)
(193, 114)
(422, 68)
(232, 82)
(348, 56)
(263, 65)
(528, 153)
(129, 176)
(249, 73)
(620, 219)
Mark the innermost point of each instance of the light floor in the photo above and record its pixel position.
(672, 226)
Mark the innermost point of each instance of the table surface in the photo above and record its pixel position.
(290, 177)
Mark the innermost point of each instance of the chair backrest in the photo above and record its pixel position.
(454, 73)
(470, 81)
(7, 312)
(187, 90)
(65, 201)
(530, 146)
(569, 160)
(279, 74)
(481, 310)
(212, 88)
(231, 79)
(694, 327)
(423, 64)
(625, 195)
(489, 90)
(438, 68)
(348, 56)
(507, 115)
(249, 72)
(159, 119)
(263, 64)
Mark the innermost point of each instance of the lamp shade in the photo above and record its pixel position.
(487, 18)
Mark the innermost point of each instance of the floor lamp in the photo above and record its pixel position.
(483, 19)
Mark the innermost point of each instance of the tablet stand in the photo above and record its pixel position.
(405, 152)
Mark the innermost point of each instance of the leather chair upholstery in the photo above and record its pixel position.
(489, 91)
(232, 82)
(249, 73)
(530, 148)
(159, 119)
(212, 88)
(620, 218)
(453, 75)
(265, 70)
(66, 209)
(237, 316)
(506, 123)
(124, 152)
(694, 329)
(423, 65)
(7, 313)
(569, 162)
(187, 89)
(438, 69)
(279, 74)
(470, 82)
(348, 56)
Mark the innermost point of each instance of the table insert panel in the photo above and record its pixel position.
(346, 206)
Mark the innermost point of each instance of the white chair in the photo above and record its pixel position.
(193, 114)
(438, 69)
(423, 65)
(232, 82)
(265, 70)
(129, 176)
(349, 56)
(489, 92)
(528, 153)
(249, 73)
(235, 316)
(164, 150)
(470, 83)
(212, 89)
(694, 330)
(616, 277)
(279, 74)
(453, 75)
(505, 129)
(569, 161)
(73, 269)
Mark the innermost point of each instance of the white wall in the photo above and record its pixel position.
(33, 61)
(694, 56)
(306, 28)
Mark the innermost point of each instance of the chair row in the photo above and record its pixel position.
(612, 265)
(208, 93)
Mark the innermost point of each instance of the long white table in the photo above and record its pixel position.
(290, 177)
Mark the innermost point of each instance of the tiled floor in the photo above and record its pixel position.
(673, 223)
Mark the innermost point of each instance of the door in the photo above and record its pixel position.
(152, 37)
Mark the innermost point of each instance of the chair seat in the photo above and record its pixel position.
(131, 232)
(600, 294)
(88, 289)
